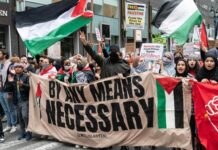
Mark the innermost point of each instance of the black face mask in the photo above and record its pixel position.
(80, 67)
(114, 57)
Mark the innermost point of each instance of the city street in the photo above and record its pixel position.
(11, 143)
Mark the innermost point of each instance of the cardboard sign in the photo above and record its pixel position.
(98, 34)
(135, 16)
(151, 51)
(188, 49)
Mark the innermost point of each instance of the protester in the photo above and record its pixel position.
(178, 55)
(209, 72)
(139, 65)
(65, 72)
(39, 61)
(113, 65)
(181, 68)
(48, 70)
(20, 85)
(2, 138)
(193, 66)
(84, 73)
(6, 96)
(167, 65)
(27, 66)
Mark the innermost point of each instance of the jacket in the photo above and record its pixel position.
(20, 93)
(108, 69)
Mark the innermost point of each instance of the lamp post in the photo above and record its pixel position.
(215, 17)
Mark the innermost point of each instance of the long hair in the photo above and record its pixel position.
(185, 73)
(196, 67)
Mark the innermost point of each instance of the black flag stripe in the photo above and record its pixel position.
(43, 14)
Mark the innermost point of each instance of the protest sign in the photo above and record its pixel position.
(98, 34)
(188, 49)
(137, 110)
(135, 16)
(151, 51)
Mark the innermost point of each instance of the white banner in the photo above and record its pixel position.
(151, 51)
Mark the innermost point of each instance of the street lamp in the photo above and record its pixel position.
(215, 17)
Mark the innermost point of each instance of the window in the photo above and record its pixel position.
(4, 1)
(105, 30)
(2, 38)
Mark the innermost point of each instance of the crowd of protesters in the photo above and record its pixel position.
(14, 76)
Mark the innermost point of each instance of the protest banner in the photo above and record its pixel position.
(151, 51)
(135, 16)
(137, 110)
(205, 97)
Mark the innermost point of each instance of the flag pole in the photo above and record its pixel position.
(91, 37)
(149, 21)
(91, 24)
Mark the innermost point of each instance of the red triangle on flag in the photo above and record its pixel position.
(204, 40)
(79, 8)
(168, 84)
(38, 91)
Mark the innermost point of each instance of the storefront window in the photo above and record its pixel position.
(108, 8)
(2, 38)
(4, 1)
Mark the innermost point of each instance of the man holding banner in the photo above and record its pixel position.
(113, 65)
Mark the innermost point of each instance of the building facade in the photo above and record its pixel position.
(107, 18)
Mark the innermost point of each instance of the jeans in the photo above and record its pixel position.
(1, 129)
(23, 109)
(9, 109)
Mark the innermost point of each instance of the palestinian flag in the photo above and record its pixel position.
(41, 27)
(170, 108)
(176, 18)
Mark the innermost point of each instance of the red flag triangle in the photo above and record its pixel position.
(204, 35)
(80, 8)
(38, 91)
(168, 83)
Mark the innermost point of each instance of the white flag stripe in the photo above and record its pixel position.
(178, 16)
(39, 30)
(170, 110)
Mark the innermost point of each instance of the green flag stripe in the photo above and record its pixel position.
(161, 106)
(38, 45)
(182, 33)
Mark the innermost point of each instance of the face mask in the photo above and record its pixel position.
(44, 66)
(114, 57)
(80, 66)
(66, 67)
(166, 61)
